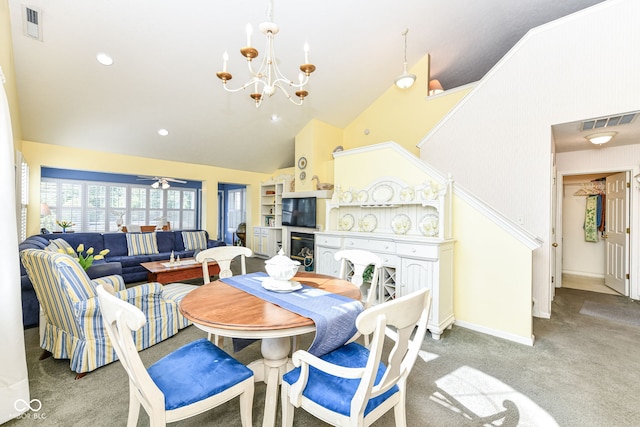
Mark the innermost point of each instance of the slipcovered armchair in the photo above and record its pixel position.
(73, 322)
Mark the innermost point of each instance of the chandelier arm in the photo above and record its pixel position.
(289, 97)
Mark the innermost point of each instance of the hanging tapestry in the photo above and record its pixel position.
(591, 220)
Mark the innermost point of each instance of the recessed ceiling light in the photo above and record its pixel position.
(275, 117)
(104, 59)
(163, 132)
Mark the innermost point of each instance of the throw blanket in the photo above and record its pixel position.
(334, 315)
(590, 220)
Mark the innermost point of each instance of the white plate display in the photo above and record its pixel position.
(368, 223)
(401, 224)
(407, 194)
(428, 225)
(346, 222)
(280, 286)
(347, 196)
(362, 196)
(382, 193)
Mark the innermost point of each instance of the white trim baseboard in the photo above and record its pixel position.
(496, 333)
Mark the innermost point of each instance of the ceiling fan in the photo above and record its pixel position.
(162, 182)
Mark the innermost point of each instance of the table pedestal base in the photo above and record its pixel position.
(275, 363)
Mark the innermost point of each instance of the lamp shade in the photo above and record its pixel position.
(435, 87)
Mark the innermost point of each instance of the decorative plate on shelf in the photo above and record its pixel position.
(362, 196)
(303, 175)
(401, 224)
(428, 225)
(368, 223)
(302, 162)
(407, 194)
(346, 222)
(382, 193)
(347, 197)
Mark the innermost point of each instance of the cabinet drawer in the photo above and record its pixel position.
(389, 260)
(370, 245)
(330, 241)
(418, 251)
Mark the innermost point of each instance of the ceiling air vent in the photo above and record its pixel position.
(31, 24)
(620, 119)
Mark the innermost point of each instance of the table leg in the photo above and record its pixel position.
(275, 353)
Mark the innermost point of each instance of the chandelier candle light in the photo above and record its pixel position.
(268, 77)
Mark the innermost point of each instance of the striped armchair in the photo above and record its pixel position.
(74, 328)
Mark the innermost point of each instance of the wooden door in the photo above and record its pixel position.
(617, 233)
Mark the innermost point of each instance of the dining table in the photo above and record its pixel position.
(219, 308)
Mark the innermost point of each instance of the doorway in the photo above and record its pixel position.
(594, 232)
(232, 210)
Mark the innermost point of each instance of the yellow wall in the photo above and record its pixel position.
(492, 274)
(404, 116)
(38, 154)
(6, 62)
(316, 142)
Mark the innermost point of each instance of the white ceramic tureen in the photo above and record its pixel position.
(281, 270)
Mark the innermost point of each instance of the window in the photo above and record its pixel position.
(236, 209)
(102, 206)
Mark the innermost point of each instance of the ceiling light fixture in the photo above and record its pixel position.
(268, 78)
(163, 132)
(405, 80)
(601, 138)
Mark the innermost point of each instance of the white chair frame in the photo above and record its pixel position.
(223, 255)
(396, 320)
(120, 318)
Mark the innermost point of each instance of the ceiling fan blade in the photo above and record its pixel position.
(153, 178)
(175, 180)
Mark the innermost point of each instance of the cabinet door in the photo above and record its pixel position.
(414, 274)
(326, 262)
(258, 241)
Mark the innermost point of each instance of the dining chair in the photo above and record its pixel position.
(351, 386)
(223, 255)
(190, 380)
(353, 263)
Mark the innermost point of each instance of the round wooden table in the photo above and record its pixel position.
(221, 309)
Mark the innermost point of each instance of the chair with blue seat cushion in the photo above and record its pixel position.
(190, 380)
(72, 319)
(351, 386)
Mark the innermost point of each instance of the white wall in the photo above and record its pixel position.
(497, 141)
(579, 257)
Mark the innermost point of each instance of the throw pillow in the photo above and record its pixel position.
(194, 240)
(61, 245)
(142, 243)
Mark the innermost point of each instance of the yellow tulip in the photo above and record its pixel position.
(98, 257)
(80, 248)
(70, 251)
(89, 251)
(104, 252)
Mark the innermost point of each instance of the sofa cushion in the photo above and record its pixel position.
(142, 243)
(61, 245)
(194, 240)
(116, 243)
(166, 241)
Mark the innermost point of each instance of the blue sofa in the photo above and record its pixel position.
(117, 261)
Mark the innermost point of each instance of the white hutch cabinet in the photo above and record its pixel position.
(409, 228)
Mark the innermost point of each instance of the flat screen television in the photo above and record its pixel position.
(299, 212)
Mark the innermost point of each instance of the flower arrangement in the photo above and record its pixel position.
(64, 225)
(86, 258)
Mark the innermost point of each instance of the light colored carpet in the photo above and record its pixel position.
(629, 313)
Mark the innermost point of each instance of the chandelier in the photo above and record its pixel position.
(268, 78)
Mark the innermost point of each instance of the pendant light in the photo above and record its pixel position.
(405, 80)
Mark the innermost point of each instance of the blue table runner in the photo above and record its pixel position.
(334, 315)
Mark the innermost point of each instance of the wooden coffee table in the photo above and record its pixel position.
(188, 268)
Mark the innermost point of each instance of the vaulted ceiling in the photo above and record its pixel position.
(166, 55)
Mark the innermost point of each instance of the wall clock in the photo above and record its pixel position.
(302, 162)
